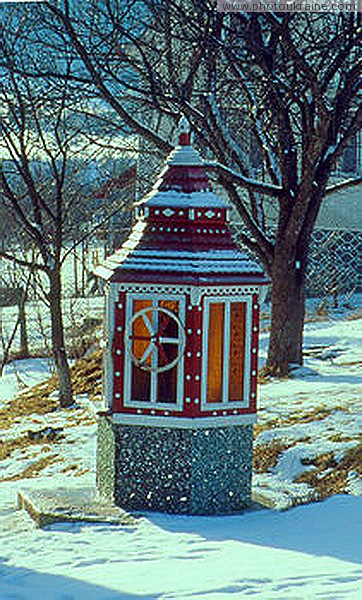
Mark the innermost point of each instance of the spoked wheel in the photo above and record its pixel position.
(154, 356)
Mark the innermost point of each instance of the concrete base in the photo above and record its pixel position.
(190, 471)
(63, 505)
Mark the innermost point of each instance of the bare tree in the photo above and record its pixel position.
(285, 85)
(41, 173)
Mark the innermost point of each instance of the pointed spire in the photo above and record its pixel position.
(184, 129)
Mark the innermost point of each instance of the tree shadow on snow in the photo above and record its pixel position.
(327, 528)
(25, 584)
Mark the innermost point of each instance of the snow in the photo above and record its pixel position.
(306, 553)
(174, 199)
(259, 186)
(310, 551)
(185, 156)
(24, 373)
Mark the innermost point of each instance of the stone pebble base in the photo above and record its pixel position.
(188, 471)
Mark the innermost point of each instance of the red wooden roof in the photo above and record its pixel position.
(182, 233)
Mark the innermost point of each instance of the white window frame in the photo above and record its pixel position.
(152, 403)
(226, 300)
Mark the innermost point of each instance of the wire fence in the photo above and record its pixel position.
(334, 264)
(334, 270)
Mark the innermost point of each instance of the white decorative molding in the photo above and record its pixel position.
(195, 296)
(111, 301)
(168, 212)
(171, 422)
(263, 293)
(153, 288)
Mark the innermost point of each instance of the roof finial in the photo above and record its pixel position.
(184, 132)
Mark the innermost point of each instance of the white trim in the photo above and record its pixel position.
(231, 254)
(201, 200)
(248, 300)
(177, 406)
(153, 384)
(205, 354)
(263, 293)
(111, 299)
(127, 358)
(183, 422)
(229, 290)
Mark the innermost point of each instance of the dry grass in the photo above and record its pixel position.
(266, 456)
(351, 363)
(318, 414)
(34, 469)
(75, 470)
(354, 316)
(335, 480)
(46, 436)
(35, 400)
(86, 377)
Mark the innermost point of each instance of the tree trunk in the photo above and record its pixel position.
(75, 269)
(24, 346)
(57, 334)
(287, 314)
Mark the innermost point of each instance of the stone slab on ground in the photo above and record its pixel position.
(266, 501)
(47, 506)
(281, 501)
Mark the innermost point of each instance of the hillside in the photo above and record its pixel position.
(306, 449)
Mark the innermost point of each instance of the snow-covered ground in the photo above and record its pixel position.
(22, 374)
(308, 552)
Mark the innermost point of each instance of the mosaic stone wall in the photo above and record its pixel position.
(106, 454)
(198, 471)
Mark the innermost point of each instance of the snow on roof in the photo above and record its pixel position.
(195, 199)
(185, 156)
(164, 260)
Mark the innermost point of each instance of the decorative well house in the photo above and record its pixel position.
(180, 367)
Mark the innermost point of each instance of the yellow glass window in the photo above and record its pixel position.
(215, 358)
(237, 350)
